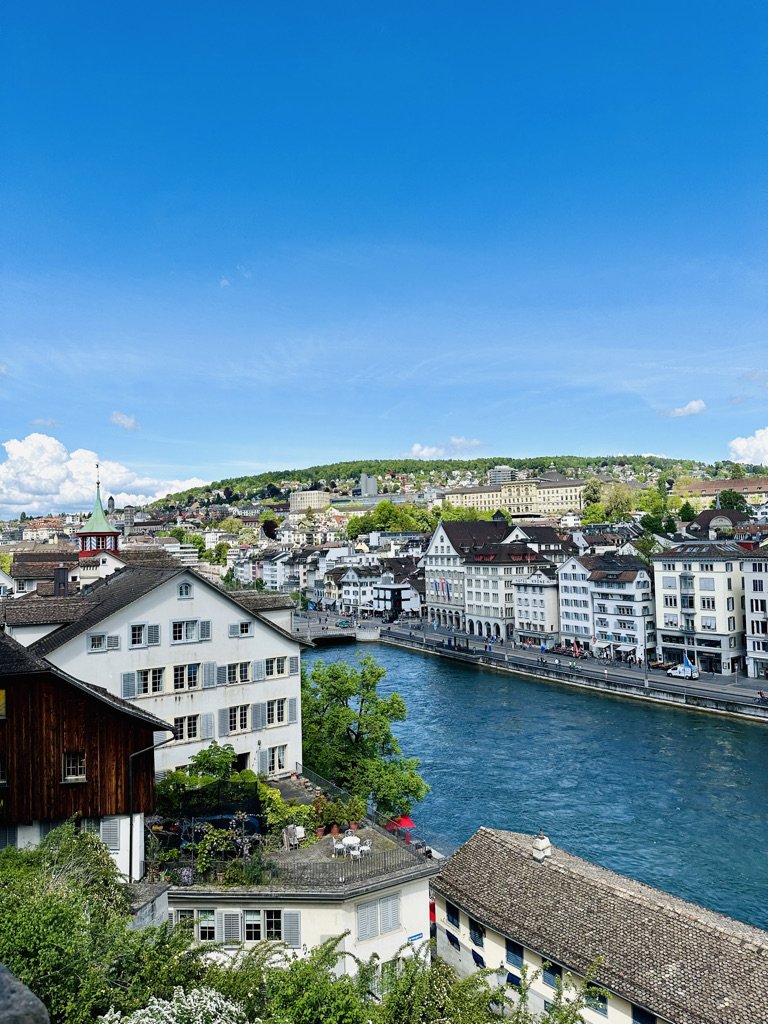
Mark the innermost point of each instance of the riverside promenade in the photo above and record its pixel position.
(733, 695)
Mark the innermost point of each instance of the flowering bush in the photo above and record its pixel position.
(199, 1006)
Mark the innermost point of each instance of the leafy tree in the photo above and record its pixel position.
(619, 502)
(220, 553)
(731, 500)
(686, 512)
(593, 514)
(736, 471)
(215, 762)
(592, 491)
(231, 525)
(347, 734)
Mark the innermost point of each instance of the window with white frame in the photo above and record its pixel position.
(237, 672)
(206, 925)
(186, 677)
(184, 590)
(276, 711)
(276, 760)
(138, 636)
(150, 680)
(275, 666)
(73, 766)
(238, 718)
(187, 631)
(97, 642)
(186, 727)
(252, 925)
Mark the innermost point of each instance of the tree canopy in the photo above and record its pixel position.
(348, 738)
(731, 500)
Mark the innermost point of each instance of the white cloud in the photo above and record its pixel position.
(122, 419)
(41, 421)
(463, 444)
(454, 447)
(224, 282)
(752, 449)
(692, 408)
(425, 451)
(39, 475)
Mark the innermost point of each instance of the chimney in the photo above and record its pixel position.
(542, 848)
(60, 588)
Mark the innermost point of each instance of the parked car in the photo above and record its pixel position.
(683, 672)
(344, 624)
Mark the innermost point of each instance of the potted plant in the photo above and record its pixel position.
(356, 811)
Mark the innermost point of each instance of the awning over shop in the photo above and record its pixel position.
(627, 647)
(602, 644)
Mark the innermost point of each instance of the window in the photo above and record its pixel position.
(186, 727)
(206, 926)
(238, 718)
(252, 925)
(476, 932)
(757, 586)
(273, 924)
(185, 676)
(368, 920)
(185, 917)
(97, 642)
(138, 636)
(188, 631)
(150, 680)
(551, 973)
(275, 666)
(479, 960)
(707, 604)
(452, 913)
(452, 940)
(237, 672)
(706, 566)
(707, 583)
(641, 1016)
(184, 590)
(514, 953)
(277, 758)
(73, 769)
(597, 1001)
(276, 711)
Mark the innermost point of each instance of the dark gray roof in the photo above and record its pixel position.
(682, 962)
(713, 550)
(466, 534)
(17, 660)
(259, 601)
(42, 611)
(104, 598)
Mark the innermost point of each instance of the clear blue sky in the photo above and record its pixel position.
(245, 236)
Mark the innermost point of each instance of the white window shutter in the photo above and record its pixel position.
(232, 926)
(234, 629)
(153, 635)
(204, 629)
(292, 928)
(113, 642)
(263, 762)
(259, 670)
(293, 665)
(367, 920)
(110, 833)
(219, 926)
(221, 675)
(258, 716)
(223, 721)
(293, 705)
(209, 674)
(206, 727)
(128, 685)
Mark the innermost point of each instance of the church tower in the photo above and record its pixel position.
(96, 534)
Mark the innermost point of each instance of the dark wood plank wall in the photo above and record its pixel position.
(45, 717)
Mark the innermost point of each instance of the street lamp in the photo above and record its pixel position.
(501, 977)
(137, 753)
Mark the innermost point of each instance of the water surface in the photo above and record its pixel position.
(676, 799)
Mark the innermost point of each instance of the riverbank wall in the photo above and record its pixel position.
(595, 680)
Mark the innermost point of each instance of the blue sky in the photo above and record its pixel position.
(239, 238)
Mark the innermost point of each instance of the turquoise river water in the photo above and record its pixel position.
(676, 799)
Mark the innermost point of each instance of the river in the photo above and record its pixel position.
(673, 798)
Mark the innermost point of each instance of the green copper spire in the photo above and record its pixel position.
(97, 521)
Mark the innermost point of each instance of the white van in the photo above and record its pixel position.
(681, 672)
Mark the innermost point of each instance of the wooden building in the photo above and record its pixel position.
(65, 749)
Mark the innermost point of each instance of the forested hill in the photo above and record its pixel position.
(422, 471)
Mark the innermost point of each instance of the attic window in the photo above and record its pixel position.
(184, 591)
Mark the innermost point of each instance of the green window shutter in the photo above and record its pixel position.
(293, 705)
(209, 674)
(128, 680)
(292, 928)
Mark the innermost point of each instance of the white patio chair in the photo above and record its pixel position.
(355, 852)
(338, 848)
(365, 846)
